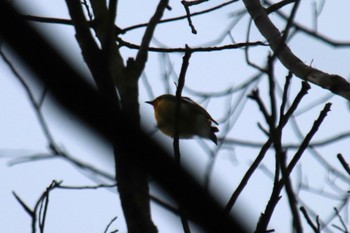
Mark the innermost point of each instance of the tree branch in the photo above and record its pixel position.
(142, 55)
(344, 163)
(89, 48)
(193, 50)
(316, 229)
(176, 143)
(179, 17)
(266, 216)
(334, 83)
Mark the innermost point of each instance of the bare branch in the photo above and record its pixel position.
(344, 163)
(24, 205)
(193, 50)
(142, 55)
(180, 17)
(176, 144)
(285, 94)
(345, 229)
(188, 14)
(192, 3)
(308, 137)
(247, 176)
(279, 5)
(315, 228)
(319, 143)
(180, 86)
(36, 106)
(266, 216)
(255, 96)
(312, 33)
(109, 224)
(334, 83)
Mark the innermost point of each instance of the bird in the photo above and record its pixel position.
(194, 119)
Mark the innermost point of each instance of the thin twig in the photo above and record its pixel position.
(285, 94)
(278, 6)
(280, 154)
(48, 20)
(265, 218)
(320, 143)
(271, 121)
(188, 14)
(110, 223)
(315, 228)
(181, 84)
(332, 82)
(180, 17)
(264, 149)
(304, 90)
(255, 96)
(345, 229)
(192, 3)
(123, 31)
(308, 137)
(23, 204)
(46, 130)
(199, 49)
(36, 106)
(87, 8)
(142, 55)
(312, 33)
(41, 206)
(344, 163)
(287, 28)
(247, 176)
(86, 187)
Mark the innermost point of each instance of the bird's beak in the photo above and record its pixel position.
(149, 102)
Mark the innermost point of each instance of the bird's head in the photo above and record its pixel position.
(157, 100)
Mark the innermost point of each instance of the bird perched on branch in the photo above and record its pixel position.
(194, 120)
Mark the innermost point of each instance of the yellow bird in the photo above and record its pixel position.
(194, 120)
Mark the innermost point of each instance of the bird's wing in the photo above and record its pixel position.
(197, 107)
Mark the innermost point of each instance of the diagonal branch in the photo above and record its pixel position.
(275, 196)
(344, 163)
(334, 83)
(308, 137)
(265, 148)
(309, 32)
(142, 55)
(180, 17)
(315, 228)
(89, 48)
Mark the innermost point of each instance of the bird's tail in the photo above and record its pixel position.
(212, 135)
